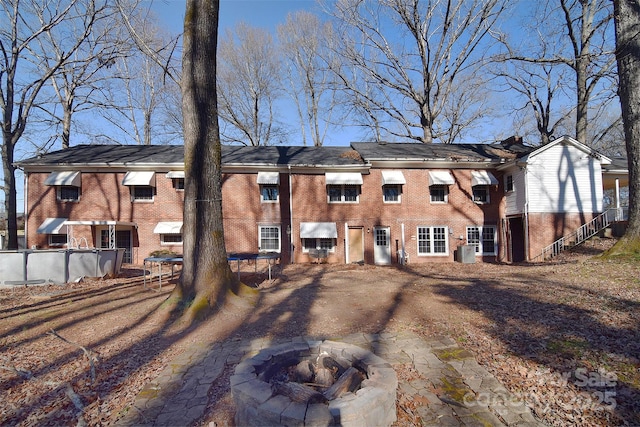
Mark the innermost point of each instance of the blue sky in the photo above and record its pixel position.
(258, 13)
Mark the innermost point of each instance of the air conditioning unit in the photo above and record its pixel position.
(466, 254)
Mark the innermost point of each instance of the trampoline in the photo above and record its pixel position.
(238, 257)
(159, 260)
(248, 256)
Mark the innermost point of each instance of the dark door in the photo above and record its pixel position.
(516, 239)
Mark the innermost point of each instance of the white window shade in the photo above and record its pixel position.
(272, 178)
(168, 227)
(140, 178)
(318, 230)
(71, 178)
(483, 178)
(53, 226)
(393, 178)
(440, 178)
(340, 178)
(175, 174)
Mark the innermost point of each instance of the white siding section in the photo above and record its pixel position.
(516, 199)
(564, 178)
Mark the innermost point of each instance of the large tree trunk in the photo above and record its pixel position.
(206, 275)
(10, 192)
(627, 22)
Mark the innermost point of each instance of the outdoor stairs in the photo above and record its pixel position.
(578, 236)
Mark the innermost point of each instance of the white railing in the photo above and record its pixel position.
(583, 233)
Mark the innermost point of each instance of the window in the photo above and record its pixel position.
(483, 238)
(141, 193)
(68, 193)
(343, 193)
(391, 193)
(508, 183)
(433, 241)
(319, 243)
(269, 238)
(57, 239)
(170, 239)
(268, 193)
(481, 194)
(178, 183)
(439, 193)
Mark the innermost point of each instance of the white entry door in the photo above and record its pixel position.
(381, 246)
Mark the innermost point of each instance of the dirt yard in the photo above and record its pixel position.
(564, 336)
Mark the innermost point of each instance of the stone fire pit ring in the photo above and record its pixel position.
(374, 403)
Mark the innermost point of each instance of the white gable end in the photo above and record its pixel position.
(564, 178)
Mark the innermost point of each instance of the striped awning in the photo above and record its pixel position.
(272, 178)
(393, 177)
(168, 227)
(440, 178)
(140, 178)
(71, 178)
(483, 178)
(338, 178)
(318, 230)
(53, 226)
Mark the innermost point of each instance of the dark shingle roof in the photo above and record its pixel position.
(110, 154)
(174, 154)
(459, 152)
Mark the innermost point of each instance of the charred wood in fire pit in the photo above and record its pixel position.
(325, 377)
(349, 381)
(303, 372)
(298, 392)
(332, 364)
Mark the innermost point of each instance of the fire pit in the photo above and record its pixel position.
(314, 383)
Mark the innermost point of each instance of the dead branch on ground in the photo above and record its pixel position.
(92, 357)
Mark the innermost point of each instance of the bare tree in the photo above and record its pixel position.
(24, 29)
(206, 276)
(419, 56)
(249, 83)
(540, 86)
(135, 101)
(78, 83)
(303, 42)
(574, 34)
(627, 28)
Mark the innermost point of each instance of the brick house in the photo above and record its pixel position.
(373, 203)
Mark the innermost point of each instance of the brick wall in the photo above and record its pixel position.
(546, 228)
(103, 197)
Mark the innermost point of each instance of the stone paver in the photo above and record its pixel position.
(453, 389)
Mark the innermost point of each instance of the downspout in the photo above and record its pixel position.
(346, 243)
(619, 216)
(526, 215)
(26, 214)
(404, 256)
(290, 217)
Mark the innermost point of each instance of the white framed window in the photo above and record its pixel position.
(57, 240)
(68, 193)
(178, 183)
(171, 239)
(481, 194)
(433, 240)
(142, 193)
(268, 193)
(508, 184)
(343, 193)
(484, 238)
(269, 238)
(318, 243)
(391, 193)
(439, 193)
